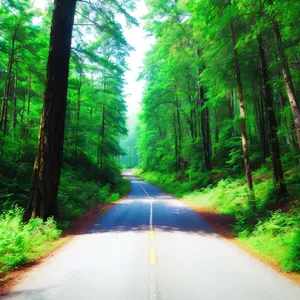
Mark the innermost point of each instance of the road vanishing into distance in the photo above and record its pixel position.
(152, 246)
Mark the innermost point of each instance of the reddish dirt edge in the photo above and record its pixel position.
(222, 225)
(77, 227)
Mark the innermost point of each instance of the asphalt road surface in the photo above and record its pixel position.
(152, 246)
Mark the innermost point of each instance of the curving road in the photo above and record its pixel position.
(152, 246)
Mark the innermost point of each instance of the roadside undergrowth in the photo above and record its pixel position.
(269, 225)
(22, 243)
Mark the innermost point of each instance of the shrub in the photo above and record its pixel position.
(20, 242)
(278, 238)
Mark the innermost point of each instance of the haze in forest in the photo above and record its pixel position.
(137, 38)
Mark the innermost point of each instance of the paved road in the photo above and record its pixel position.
(151, 246)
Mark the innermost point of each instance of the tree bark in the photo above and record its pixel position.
(102, 137)
(42, 198)
(3, 119)
(179, 132)
(22, 127)
(176, 141)
(192, 121)
(272, 123)
(261, 122)
(29, 94)
(205, 130)
(14, 107)
(231, 106)
(216, 126)
(242, 109)
(99, 146)
(177, 120)
(78, 115)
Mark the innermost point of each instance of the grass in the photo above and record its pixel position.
(264, 224)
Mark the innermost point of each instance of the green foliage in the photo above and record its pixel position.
(214, 66)
(21, 242)
(95, 117)
(277, 237)
(96, 109)
(196, 43)
(122, 188)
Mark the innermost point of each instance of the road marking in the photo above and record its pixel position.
(151, 234)
(151, 213)
(152, 257)
(153, 287)
(145, 191)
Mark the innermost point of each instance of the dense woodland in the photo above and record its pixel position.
(220, 120)
(222, 88)
(220, 114)
(62, 116)
(84, 111)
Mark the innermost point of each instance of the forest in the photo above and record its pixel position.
(220, 120)
(219, 124)
(63, 111)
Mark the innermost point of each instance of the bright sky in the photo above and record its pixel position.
(136, 37)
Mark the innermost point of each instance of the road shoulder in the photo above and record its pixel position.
(222, 225)
(77, 227)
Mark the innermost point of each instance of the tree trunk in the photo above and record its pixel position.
(14, 108)
(177, 123)
(231, 106)
(179, 132)
(42, 198)
(3, 119)
(176, 141)
(288, 80)
(191, 123)
(261, 122)
(78, 115)
(216, 127)
(205, 130)
(195, 122)
(4, 106)
(242, 109)
(272, 124)
(22, 127)
(99, 146)
(29, 93)
(102, 137)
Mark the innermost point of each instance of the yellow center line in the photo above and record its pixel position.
(152, 235)
(152, 252)
(152, 257)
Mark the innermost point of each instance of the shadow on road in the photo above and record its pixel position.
(31, 294)
(133, 213)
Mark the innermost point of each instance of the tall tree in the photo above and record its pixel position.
(242, 106)
(272, 123)
(222, 56)
(47, 166)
